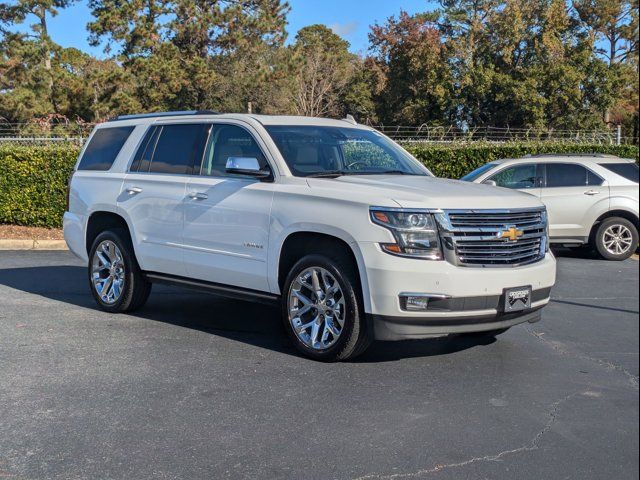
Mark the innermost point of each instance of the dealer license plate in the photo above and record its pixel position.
(517, 299)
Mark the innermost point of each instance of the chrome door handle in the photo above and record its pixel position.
(198, 195)
(591, 192)
(134, 190)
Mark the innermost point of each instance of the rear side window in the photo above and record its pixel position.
(177, 148)
(629, 171)
(103, 148)
(570, 175)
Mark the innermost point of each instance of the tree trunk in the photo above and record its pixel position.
(46, 50)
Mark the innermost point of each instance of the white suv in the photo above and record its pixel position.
(351, 235)
(591, 199)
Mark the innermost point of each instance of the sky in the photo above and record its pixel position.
(348, 18)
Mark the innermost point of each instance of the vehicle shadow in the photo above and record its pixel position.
(584, 252)
(251, 323)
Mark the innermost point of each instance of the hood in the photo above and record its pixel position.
(412, 191)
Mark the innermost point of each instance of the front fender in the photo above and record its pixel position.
(311, 227)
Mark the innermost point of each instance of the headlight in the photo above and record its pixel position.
(415, 232)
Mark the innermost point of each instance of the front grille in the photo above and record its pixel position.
(475, 237)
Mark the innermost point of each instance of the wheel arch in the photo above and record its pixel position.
(626, 214)
(101, 220)
(298, 243)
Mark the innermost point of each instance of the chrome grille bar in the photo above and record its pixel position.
(475, 238)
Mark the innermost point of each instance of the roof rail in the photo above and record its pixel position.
(599, 155)
(163, 114)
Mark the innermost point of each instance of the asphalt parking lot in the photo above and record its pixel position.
(196, 386)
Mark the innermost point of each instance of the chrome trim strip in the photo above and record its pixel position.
(439, 296)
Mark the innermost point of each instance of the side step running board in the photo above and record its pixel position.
(230, 291)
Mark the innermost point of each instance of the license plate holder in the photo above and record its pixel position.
(517, 299)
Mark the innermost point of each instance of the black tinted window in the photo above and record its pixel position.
(627, 170)
(566, 175)
(177, 148)
(142, 160)
(520, 176)
(103, 148)
(229, 141)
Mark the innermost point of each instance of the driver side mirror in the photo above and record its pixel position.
(246, 166)
(490, 182)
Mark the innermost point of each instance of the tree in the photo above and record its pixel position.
(17, 11)
(135, 26)
(614, 22)
(416, 82)
(324, 69)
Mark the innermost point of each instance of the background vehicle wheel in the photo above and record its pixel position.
(322, 309)
(616, 238)
(115, 278)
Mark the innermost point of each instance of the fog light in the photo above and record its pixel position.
(414, 303)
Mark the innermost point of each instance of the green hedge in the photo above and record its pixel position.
(33, 183)
(33, 180)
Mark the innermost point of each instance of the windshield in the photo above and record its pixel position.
(334, 151)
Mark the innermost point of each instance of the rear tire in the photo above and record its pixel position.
(115, 278)
(322, 309)
(616, 239)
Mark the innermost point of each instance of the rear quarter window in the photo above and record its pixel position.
(103, 148)
(627, 170)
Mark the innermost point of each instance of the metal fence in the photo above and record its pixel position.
(453, 134)
(34, 134)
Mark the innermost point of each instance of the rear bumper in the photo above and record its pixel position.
(73, 226)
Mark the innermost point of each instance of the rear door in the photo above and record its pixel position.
(153, 193)
(227, 216)
(570, 190)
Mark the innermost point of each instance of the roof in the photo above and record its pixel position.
(262, 119)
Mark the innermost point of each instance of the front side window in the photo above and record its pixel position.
(103, 148)
(227, 141)
(518, 177)
(627, 170)
(320, 151)
(570, 175)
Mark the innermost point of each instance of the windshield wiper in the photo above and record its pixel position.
(327, 174)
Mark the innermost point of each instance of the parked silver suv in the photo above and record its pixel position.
(591, 199)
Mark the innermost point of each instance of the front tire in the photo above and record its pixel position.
(322, 309)
(115, 279)
(616, 239)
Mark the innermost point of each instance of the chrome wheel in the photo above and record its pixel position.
(108, 272)
(316, 308)
(617, 239)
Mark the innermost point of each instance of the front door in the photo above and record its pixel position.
(227, 217)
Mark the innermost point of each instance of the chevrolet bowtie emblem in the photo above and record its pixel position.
(512, 234)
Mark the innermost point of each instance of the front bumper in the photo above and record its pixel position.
(474, 295)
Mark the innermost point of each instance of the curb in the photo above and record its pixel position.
(32, 244)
